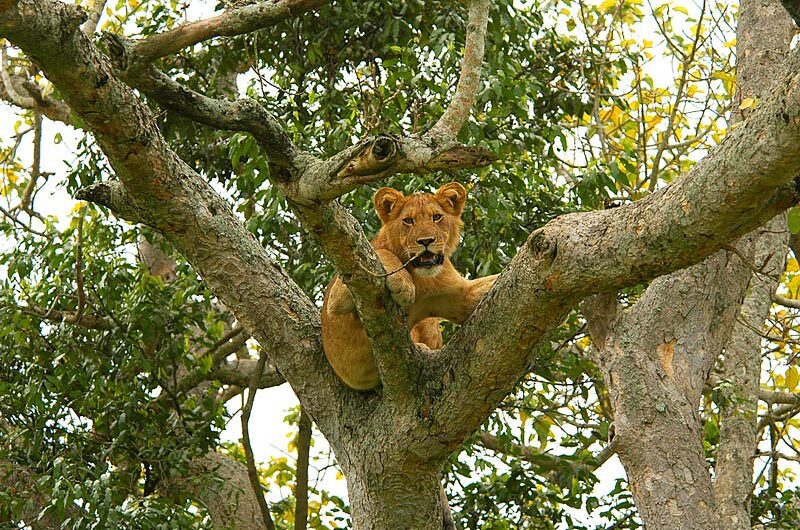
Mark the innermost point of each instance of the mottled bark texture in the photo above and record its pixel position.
(392, 443)
(656, 355)
(764, 32)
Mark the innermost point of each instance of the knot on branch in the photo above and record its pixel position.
(99, 193)
(111, 195)
(542, 247)
(119, 50)
(376, 155)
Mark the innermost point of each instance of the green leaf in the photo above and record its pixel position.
(793, 219)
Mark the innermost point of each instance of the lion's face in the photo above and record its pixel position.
(422, 226)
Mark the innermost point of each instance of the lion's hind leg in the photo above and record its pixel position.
(427, 332)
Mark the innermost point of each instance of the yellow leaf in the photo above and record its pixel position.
(647, 43)
(608, 5)
(565, 12)
(748, 103)
(80, 205)
(792, 378)
(524, 416)
(681, 9)
(731, 43)
(12, 176)
(794, 283)
(792, 266)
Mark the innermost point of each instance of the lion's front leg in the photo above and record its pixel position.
(473, 291)
(480, 286)
(399, 282)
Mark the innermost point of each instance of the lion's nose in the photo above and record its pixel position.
(425, 241)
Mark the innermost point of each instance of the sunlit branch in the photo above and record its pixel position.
(237, 21)
(457, 113)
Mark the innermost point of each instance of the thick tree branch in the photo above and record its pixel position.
(221, 485)
(457, 113)
(241, 115)
(763, 36)
(741, 184)
(237, 21)
(156, 187)
(742, 368)
(378, 158)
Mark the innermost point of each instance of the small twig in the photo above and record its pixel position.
(252, 472)
(79, 270)
(217, 345)
(387, 274)
(27, 194)
(301, 489)
(750, 264)
(10, 216)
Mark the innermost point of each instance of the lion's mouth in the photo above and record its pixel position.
(427, 259)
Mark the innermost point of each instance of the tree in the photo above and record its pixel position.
(671, 282)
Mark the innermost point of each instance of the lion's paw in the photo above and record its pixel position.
(403, 291)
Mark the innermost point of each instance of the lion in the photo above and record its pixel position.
(418, 235)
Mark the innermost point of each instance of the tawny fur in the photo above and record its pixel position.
(428, 293)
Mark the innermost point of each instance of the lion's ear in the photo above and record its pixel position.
(452, 197)
(387, 201)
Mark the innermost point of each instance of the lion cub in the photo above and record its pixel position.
(423, 230)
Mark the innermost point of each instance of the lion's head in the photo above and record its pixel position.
(422, 226)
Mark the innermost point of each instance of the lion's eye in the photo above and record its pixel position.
(408, 221)
(437, 217)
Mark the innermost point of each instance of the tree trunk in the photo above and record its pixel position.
(655, 357)
(659, 441)
(388, 499)
(742, 370)
(764, 31)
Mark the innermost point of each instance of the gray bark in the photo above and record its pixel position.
(381, 498)
(764, 31)
(656, 356)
